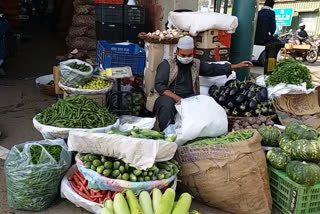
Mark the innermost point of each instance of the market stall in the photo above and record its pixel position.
(235, 147)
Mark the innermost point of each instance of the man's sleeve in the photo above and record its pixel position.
(273, 23)
(162, 77)
(211, 70)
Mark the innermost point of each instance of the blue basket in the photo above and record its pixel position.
(120, 55)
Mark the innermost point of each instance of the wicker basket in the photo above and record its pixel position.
(47, 90)
(232, 120)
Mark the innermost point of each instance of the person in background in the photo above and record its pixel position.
(178, 78)
(302, 34)
(266, 24)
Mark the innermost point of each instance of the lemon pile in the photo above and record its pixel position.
(96, 84)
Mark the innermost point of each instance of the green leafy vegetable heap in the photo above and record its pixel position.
(232, 137)
(290, 71)
(81, 67)
(76, 111)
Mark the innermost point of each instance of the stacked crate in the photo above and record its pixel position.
(134, 18)
(213, 46)
(116, 22)
(109, 20)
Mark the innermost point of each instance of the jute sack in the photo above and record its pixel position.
(232, 177)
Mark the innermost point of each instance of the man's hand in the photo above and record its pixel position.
(241, 65)
(175, 97)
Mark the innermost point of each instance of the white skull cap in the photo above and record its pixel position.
(185, 42)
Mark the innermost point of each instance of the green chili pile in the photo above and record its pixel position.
(290, 71)
(81, 67)
(231, 137)
(35, 151)
(76, 111)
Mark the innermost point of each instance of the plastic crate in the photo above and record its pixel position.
(120, 55)
(131, 31)
(112, 33)
(134, 14)
(108, 1)
(109, 13)
(292, 198)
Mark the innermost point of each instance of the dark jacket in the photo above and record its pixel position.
(183, 86)
(266, 27)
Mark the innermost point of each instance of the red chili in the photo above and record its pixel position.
(114, 194)
(83, 180)
(100, 200)
(70, 177)
(96, 196)
(103, 192)
(109, 194)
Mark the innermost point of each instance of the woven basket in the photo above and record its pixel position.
(47, 90)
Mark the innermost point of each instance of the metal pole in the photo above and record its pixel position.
(243, 39)
(225, 8)
(218, 6)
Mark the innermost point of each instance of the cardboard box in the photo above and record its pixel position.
(212, 39)
(101, 99)
(149, 78)
(216, 54)
(156, 53)
(56, 79)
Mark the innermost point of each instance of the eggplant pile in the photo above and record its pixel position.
(241, 99)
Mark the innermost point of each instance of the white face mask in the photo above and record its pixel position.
(184, 60)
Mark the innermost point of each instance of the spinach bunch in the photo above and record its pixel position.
(290, 71)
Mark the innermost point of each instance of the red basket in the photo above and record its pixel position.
(108, 1)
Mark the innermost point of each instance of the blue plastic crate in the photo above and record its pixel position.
(120, 55)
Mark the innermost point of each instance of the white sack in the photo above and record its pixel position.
(138, 152)
(127, 122)
(199, 116)
(196, 22)
(204, 90)
(217, 80)
(282, 88)
(68, 193)
(52, 132)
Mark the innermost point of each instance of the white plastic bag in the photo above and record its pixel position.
(199, 116)
(217, 80)
(127, 122)
(68, 193)
(73, 77)
(52, 132)
(138, 152)
(282, 88)
(196, 22)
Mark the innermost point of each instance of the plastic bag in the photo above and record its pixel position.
(282, 88)
(127, 122)
(68, 193)
(97, 181)
(34, 186)
(51, 132)
(73, 77)
(70, 90)
(199, 116)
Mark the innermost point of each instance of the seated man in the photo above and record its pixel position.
(178, 78)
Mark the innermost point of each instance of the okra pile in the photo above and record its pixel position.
(117, 169)
(76, 111)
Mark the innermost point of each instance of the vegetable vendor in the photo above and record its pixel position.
(178, 78)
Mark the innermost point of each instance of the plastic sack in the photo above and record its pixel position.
(52, 132)
(196, 22)
(73, 77)
(282, 88)
(34, 186)
(199, 116)
(138, 152)
(97, 181)
(71, 90)
(217, 80)
(127, 122)
(68, 193)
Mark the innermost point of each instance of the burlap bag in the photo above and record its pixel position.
(84, 9)
(83, 20)
(83, 43)
(232, 177)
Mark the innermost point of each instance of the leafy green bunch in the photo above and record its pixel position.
(290, 71)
